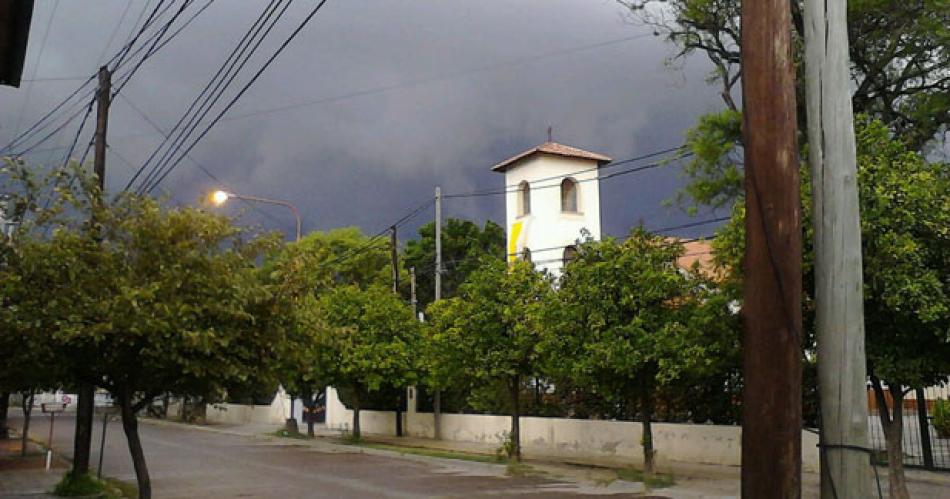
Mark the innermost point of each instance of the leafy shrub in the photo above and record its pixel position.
(942, 418)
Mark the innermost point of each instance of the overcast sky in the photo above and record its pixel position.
(415, 93)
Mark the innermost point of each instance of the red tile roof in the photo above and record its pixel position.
(555, 149)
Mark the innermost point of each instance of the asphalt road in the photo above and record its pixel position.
(186, 462)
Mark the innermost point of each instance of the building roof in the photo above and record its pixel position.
(15, 18)
(555, 149)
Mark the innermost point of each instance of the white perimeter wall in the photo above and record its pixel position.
(580, 440)
(274, 414)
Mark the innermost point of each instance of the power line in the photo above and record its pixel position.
(46, 120)
(509, 189)
(241, 92)
(152, 50)
(200, 166)
(120, 56)
(39, 57)
(449, 76)
(115, 30)
(691, 224)
(211, 93)
(380, 236)
(386, 88)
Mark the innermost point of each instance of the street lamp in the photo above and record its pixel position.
(220, 197)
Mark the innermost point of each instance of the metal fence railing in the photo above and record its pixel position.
(922, 445)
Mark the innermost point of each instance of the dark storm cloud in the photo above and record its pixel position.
(443, 90)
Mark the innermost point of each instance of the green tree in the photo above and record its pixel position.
(304, 271)
(464, 246)
(147, 300)
(30, 272)
(899, 57)
(492, 328)
(905, 232)
(29, 360)
(627, 320)
(372, 338)
(187, 312)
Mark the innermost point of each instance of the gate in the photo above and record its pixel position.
(923, 447)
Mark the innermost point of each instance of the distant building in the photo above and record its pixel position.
(553, 201)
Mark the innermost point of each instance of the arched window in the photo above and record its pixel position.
(524, 199)
(526, 255)
(570, 254)
(569, 195)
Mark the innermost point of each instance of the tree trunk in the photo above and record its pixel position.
(514, 388)
(399, 403)
(306, 396)
(646, 417)
(82, 439)
(437, 414)
(356, 414)
(4, 407)
(27, 410)
(892, 422)
(131, 427)
(165, 403)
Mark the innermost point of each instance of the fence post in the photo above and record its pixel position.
(924, 428)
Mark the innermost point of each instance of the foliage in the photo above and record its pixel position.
(941, 417)
(464, 245)
(139, 298)
(898, 53)
(716, 164)
(905, 215)
(490, 332)
(507, 450)
(86, 485)
(905, 234)
(302, 271)
(372, 338)
(627, 319)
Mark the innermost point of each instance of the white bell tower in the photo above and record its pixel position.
(553, 198)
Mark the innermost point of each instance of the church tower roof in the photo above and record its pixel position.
(554, 149)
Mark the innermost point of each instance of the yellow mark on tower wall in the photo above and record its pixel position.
(513, 241)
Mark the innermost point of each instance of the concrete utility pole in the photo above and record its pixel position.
(772, 357)
(86, 403)
(839, 299)
(393, 247)
(394, 257)
(412, 292)
(437, 395)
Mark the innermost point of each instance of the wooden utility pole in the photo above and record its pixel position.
(771, 351)
(103, 98)
(437, 394)
(839, 298)
(85, 405)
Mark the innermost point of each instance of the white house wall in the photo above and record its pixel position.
(579, 440)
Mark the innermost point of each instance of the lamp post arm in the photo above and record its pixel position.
(278, 202)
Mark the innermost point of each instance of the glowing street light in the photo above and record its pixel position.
(220, 197)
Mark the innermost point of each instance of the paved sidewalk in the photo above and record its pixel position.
(26, 476)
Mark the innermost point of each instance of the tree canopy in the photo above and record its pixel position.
(372, 337)
(626, 319)
(900, 63)
(464, 245)
(492, 329)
